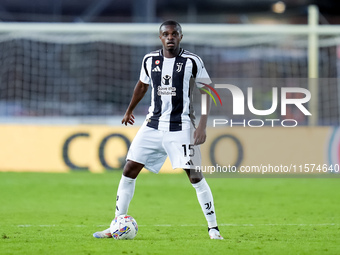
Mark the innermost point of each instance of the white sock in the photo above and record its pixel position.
(206, 201)
(125, 192)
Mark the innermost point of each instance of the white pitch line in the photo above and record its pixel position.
(198, 225)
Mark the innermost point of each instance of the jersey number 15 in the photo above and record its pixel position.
(188, 148)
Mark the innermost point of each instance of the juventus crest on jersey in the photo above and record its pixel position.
(171, 97)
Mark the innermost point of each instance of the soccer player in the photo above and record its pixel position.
(169, 127)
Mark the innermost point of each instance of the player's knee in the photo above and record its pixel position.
(194, 176)
(132, 169)
(196, 179)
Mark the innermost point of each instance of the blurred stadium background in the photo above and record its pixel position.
(77, 62)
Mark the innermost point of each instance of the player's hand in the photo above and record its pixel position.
(128, 118)
(199, 136)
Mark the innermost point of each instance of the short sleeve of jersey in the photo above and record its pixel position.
(144, 75)
(202, 76)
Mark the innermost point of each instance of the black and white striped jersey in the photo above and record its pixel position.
(171, 97)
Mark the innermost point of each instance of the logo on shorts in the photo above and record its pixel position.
(189, 163)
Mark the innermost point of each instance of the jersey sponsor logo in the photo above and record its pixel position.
(156, 69)
(157, 62)
(166, 91)
(166, 80)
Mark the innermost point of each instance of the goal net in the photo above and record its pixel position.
(89, 70)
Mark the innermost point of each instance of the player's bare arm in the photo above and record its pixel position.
(200, 134)
(138, 93)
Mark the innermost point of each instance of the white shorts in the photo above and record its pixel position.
(150, 147)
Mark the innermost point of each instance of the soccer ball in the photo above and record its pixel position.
(124, 227)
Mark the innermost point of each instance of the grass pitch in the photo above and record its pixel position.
(57, 214)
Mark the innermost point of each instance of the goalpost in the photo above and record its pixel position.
(59, 71)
